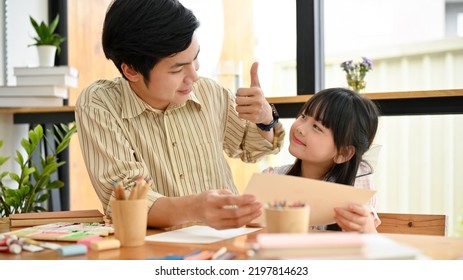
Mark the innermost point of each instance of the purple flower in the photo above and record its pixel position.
(357, 71)
(367, 63)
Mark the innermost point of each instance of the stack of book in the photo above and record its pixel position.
(42, 218)
(39, 86)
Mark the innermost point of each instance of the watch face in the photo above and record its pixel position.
(274, 112)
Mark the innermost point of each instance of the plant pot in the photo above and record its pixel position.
(46, 55)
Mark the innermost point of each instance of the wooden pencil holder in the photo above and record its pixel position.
(287, 220)
(129, 218)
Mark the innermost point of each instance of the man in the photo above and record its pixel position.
(162, 122)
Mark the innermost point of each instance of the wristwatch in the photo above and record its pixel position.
(268, 127)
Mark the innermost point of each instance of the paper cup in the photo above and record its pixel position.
(287, 220)
(129, 219)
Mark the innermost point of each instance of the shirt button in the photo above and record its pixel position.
(174, 144)
(181, 176)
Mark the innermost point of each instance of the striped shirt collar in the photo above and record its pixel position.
(137, 106)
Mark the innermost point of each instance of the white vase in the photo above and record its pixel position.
(46, 55)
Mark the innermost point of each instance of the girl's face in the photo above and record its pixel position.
(313, 143)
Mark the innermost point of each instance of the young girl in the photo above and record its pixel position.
(329, 137)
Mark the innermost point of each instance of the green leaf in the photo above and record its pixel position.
(39, 209)
(53, 25)
(42, 198)
(29, 170)
(55, 185)
(15, 177)
(63, 145)
(27, 146)
(3, 160)
(42, 182)
(19, 158)
(24, 191)
(50, 168)
(58, 131)
(36, 135)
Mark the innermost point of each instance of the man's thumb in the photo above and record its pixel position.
(254, 76)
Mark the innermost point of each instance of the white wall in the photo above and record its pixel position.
(17, 53)
(19, 33)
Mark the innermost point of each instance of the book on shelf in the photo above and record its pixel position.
(41, 218)
(34, 91)
(323, 245)
(47, 80)
(30, 101)
(40, 71)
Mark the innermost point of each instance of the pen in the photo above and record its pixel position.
(204, 255)
(168, 258)
(192, 254)
(219, 253)
(227, 256)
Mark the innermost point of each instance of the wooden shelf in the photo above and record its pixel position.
(424, 102)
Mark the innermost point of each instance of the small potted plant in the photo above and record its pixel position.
(356, 72)
(47, 41)
(29, 188)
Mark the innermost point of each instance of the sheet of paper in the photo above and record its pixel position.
(322, 197)
(199, 235)
(380, 247)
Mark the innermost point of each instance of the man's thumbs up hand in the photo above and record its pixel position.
(251, 104)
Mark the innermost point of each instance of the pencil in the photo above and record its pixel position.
(143, 192)
(204, 255)
(219, 253)
(119, 191)
(134, 192)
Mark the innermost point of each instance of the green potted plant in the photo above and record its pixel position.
(34, 180)
(47, 41)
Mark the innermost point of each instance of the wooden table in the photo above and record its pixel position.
(436, 247)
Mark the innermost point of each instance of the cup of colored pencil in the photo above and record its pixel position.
(130, 213)
(283, 217)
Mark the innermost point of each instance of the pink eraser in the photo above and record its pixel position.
(86, 241)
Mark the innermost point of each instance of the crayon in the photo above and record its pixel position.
(107, 244)
(72, 250)
(88, 240)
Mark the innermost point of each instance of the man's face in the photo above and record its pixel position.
(171, 79)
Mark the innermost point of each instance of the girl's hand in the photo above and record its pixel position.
(355, 217)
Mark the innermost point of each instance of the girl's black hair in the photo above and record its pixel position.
(353, 120)
(142, 32)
